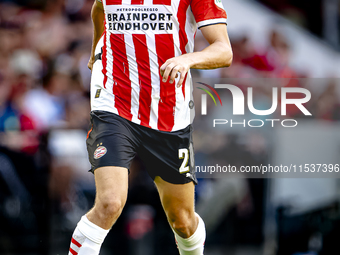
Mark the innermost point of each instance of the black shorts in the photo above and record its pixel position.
(114, 141)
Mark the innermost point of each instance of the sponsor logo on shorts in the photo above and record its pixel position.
(99, 152)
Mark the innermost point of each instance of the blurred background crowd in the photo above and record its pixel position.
(44, 117)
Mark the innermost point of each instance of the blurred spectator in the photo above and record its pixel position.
(328, 104)
(47, 105)
(307, 14)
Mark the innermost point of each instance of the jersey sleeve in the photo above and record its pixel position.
(208, 12)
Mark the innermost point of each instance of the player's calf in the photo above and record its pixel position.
(111, 184)
(87, 238)
(194, 244)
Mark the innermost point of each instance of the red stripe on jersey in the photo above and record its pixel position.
(205, 10)
(137, 2)
(164, 2)
(121, 76)
(74, 241)
(73, 251)
(143, 63)
(104, 60)
(166, 106)
(183, 84)
(182, 17)
(113, 2)
(183, 38)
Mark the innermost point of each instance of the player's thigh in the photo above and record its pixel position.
(111, 186)
(111, 149)
(111, 195)
(177, 199)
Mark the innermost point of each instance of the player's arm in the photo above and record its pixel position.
(97, 14)
(217, 54)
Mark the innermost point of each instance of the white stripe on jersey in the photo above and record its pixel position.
(106, 100)
(155, 93)
(126, 2)
(109, 58)
(179, 94)
(133, 75)
(210, 22)
(190, 30)
(133, 72)
(148, 2)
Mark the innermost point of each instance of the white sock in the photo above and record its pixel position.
(194, 245)
(87, 238)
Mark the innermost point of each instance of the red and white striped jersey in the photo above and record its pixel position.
(139, 36)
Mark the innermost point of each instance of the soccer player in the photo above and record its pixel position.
(141, 103)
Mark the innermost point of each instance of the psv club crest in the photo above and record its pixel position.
(99, 152)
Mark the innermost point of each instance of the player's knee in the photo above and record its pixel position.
(110, 206)
(181, 221)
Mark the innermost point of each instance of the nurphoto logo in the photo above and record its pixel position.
(238, 108)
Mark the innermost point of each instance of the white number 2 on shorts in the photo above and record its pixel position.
(184, 154)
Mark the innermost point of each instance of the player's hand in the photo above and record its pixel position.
(90, 63)
(174, 66)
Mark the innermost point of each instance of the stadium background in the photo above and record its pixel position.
(44, 106)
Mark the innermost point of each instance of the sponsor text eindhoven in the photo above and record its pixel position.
(140, 20)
